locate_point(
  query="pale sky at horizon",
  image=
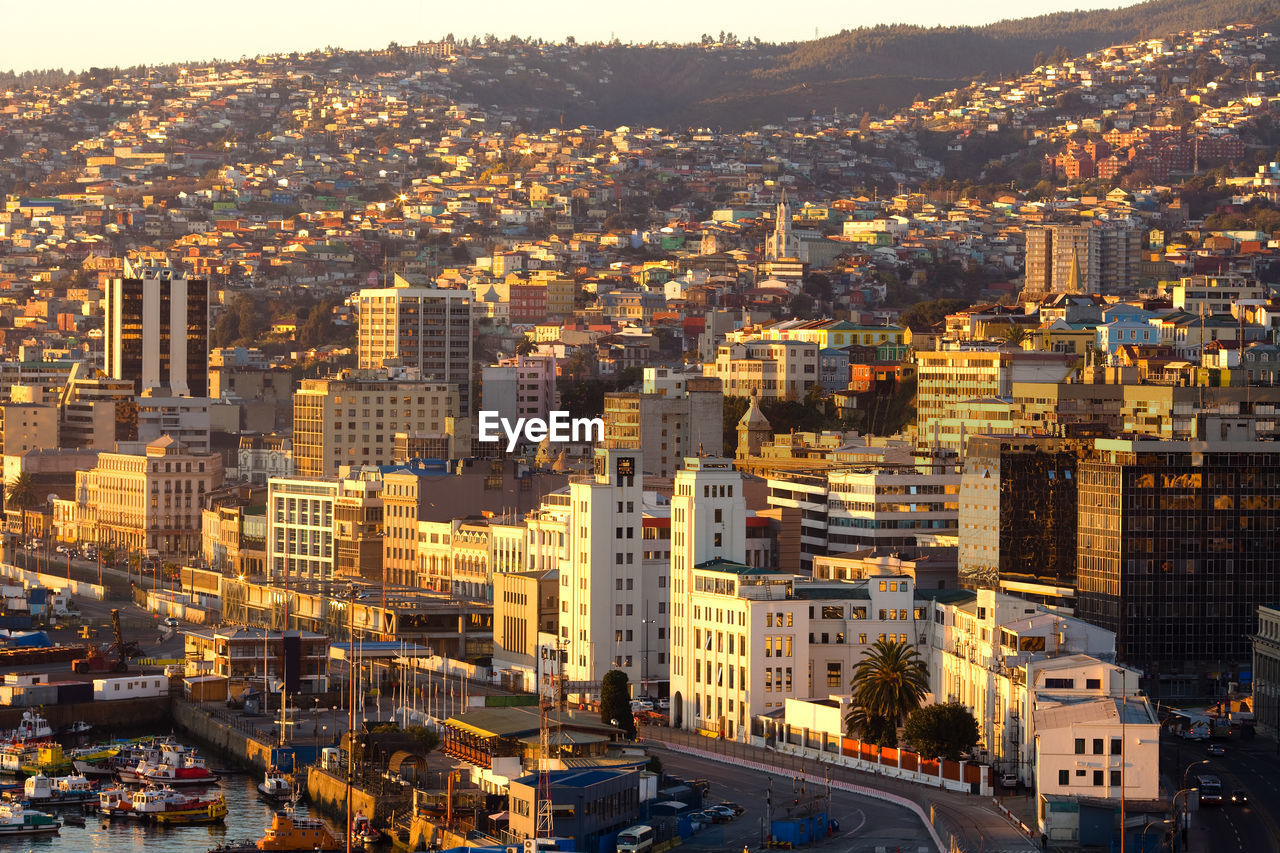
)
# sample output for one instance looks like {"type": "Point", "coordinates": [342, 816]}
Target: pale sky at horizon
{"type": "Point", "coordinates": [77, 34]}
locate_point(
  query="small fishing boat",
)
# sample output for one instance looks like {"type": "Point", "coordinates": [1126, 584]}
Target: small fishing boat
{"type": "Point", "coordinates": [363, 831]}
{"type": "Point", "coordinates": [188, 769]}
{"type": "Point", "coordinates": [16, 819]}
{"type": "Point", "coordinates": [42, 790]}
{"type": "Point", "coordinates": [214, 811]}
{"type": "Point", "coordinates": [78, 728]}
{"type": "Point", "coordinates": [276, 786]}
{"type": "Point", "coordinates": [287, 833]}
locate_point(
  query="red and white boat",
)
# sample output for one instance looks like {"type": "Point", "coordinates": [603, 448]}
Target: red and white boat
{"type": "Point", "coordinates": [147, 804]}
{"type": "Point", "coordinates": [184, 769]}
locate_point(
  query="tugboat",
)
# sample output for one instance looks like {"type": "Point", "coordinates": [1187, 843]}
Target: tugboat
{"type": "Point", "coordinates": [275, 786]}
{"type": "Point", "coordinates": [287, 833]}
{"type": "Point", "coordinates": [41, 790]}
{"type": "Point", "coordinates": [363, 832]}
{"type": "Point", "coordinates": [16, 819]}
{"type": "Point", "coordinates": [206, 812]}
{"type": "Point", "coordinates": [14, 756]}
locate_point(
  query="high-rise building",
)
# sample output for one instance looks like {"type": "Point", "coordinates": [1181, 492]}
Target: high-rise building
{"type": "Point", "coordinates": [300, 527]}
{"type": "Point", "coordinates": [426, 328]}
{"type": "Point", "coordinates": [156, 327]}
{"type": "Point", "coordinates": [520, 387]}
{"type": "Point", "coordinates": [1178, 544]}
{"type": "Point", "coordinates": [708, 522]}
{"type": "Point", "coordinates": [353, 419]}
{"type": "Point", "coordinates": [1092, 258]}
{"type": "Point", "coordinates": [1018, 516]}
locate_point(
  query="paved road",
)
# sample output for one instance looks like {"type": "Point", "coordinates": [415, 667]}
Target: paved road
{"type": "Point", "coordinates": [973, 820]}
{"type": "Point", "coordinates": [865, 824]}
{"type": "Point", "coordinates": [1251, 766]}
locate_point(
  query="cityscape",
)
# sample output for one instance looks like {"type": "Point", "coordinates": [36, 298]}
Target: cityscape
{"type": "Point", "coordinates": [492, 443]}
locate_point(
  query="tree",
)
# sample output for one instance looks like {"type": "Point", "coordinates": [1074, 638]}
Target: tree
{"type": "Point", "coordinates": [946, 730]}
{"type": "Point", "coordinates": [615, 701]}
{"type": "Point", "coordinates": [20, 494]}
{"type": "Point", "coordinates": [888, 684]}
{"type": "Point", "coordinates": [524, 347]}
{"type": "Point", "coordinates": [930, 313]}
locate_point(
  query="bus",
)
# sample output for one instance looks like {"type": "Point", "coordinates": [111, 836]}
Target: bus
{"type": "Point", "coordinates": [1210, 790]}
{"type": "Point", "coordinates": [635, 838]}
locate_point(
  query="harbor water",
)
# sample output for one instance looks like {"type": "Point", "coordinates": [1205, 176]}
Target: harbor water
{"type": "Point", "coordinates": [247, 817]}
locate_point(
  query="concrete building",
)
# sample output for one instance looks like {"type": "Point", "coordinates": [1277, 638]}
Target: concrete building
{"type": "Point", "coordinates": [1266, 670]}
{"type": "Point", "coordinates": [300, 527]}
{"type": "Point", "coordinates": [520, 387]}
{"type": "Point", "coordinates": [1215, 294]}
{"type": "Point", "coordinates": [156, 326]}
{"type": "Point", "coordinates": [97, 411]}
{"type": "Point", "coordinates": [426, 328]}
{"type": "Point", "coordinates": [667, 424]}
{"type": "Point", "coordinates": [27, 426]}
{"type": "Point", "coordinates": [910, 507]}
{"type": "Point", "coordinates": [234, 531]}
{"type": "Point", "coordinates": [188, 419]}
{"type": "Point", "coordinates": [781, 370]}
{"type": "Point", "coordinates": [526, 609]}
{"type": "Point", "coordinates": [353, 419]}
{"type": "Point", "coordinates": [357, 526]}
{"type": "Point", "coordinates": [1091, 258]}
{"type": "Point", "coordinates": [587, 805]}
{"type": "Point", "coordinates": [298, 661]}
{"type": "Point", "coordinates": [147, 502]}
{"type": "Point", "coordinates": [945, 378]}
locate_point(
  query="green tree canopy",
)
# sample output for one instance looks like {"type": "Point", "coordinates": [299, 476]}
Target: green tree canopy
{"type": "Point", "coordinates": [888, 684]}
{"type": "Point", "coordinates": [946, 730]}
{"type": "Point", "coordinates": [615, 701]}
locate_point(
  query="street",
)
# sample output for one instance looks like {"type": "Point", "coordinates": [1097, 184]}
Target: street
{"type": "Point", "coordinates": [1250, 766]}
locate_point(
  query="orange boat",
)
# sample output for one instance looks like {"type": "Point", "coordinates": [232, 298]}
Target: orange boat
{"type": "Point", "coordinates": [287, 834]}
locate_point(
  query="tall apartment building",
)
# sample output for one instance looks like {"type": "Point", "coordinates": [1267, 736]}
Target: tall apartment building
{"type": "Point", "coordinates": [27, 426]}
{"type": "Point", "coordinates": [1215, 294]}
{"type": "Point", "coordinates": [1018, 516]}
{"type": "Point", "coordinates": [353, 419]}
{"type": "Point", "coordinates": [667, 424]}
{"type": "Point", "coordinates": [1090, 258]}
{"type": "Point", "coordinates": [1178, 545]}
{"type": "Point", "coordinates": [146, 503]}
{"type": "Point", "coordinates": [426, 328]}
{"type": "Point", "coordinates": [708, 522]}
{"type": "Point", "coordinates": [946, 378]}
{"type": "Point", "coordinates": [156, 326]}
{"type": "Point", "coordinates": [357, 527]}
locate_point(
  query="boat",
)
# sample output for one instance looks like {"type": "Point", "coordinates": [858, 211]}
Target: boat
{"type": "Point", "coordinates": [16, 819]}
{"type": "Point", "coordinates": [42, 790]}
{"type": "Point", "coordinates": [275, 786]}
{"type": "Point", "coordinates": [14, 756]}
{"type": "Point", "coordinates": [287, 833]}
{"type": "Point", "coordinates": [180, 769]}
{"type": "Point", "coordinates": [95, 761]}
{"type": "Point", "coordinates": [32, 727]}
{"type": "Point", "coordinates": [212, 811]}
{"type": "Point", "coordinates": [116, 802]}
{"type": "Point", "coordinates": [363, 831]}
{"type": "Point", "coordinates": [78, 728]}
{"type": "Point", "coordinates": [49, 759]}
{"type": "Point", "coordinates": [153, 803]}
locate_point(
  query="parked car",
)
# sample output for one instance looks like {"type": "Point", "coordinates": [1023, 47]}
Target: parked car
{"type": "Point", "coordinates": [1217, 749]}
{"type": "Point", "coordinates": [641, 705]}
{"type": "Point", "coordinates": [1239, 798]}
{"type": "Point", "coordinates": [700, 819]}
{"type": "Point", "coordinates": [720, 814]}
{"type": "Point", "coordinates": [734, 807]}
{"type": "Point", "coordinates": [664, 704]}
{"type": "Point", "coordinates": [1009, 780]}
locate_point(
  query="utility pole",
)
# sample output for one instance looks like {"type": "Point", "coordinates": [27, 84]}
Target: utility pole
{"type": "Point", "coordinates": [351, 703]}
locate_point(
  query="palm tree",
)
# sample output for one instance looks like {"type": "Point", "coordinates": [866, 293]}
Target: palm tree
{"type": "Point", "coordinates": [20, 493]}
{"type": "Point", "coordinates": [888, 684]}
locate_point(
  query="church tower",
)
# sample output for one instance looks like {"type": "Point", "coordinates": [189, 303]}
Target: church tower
{"type": "Point", "coordinates": [754, 431]}
{"type": "Point", "coordinates": [779, 245]}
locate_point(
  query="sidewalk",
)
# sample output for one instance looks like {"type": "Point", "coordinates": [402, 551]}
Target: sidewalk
{"type": "Point", "coordinates": [968, 822]}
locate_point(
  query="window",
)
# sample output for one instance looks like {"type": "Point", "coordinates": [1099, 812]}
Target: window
{"type": "Point", "coordinates": [1079, 746]}
{"type": "Point", "coordinates": [1093, 683]}
{"type": "Point", "coordinates": [1064, 777]}
{"type": "Point", "coordinates": [1060, 683]}
{"type": "Point", "coordinates": [1115, 778]}
{"type": "Point", "coordinates": [1097, 778]}
{"type": "Point", "coordinates": [1115, 746]}
{"type": "Point", "coordinates": [834, 675]}
{"type": "Point", "coordinates": [1097, 746]}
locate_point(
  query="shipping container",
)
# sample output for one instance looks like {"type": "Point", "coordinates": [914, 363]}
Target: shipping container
{"type": "Point", "coordinates": [74, 691]}
{"type": "Point", "coordinates": [205, 688]}
{"type": "Point", "coordinates": [130, 687]}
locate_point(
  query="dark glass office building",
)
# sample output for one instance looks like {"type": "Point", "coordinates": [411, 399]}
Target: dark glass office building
{"type": "Point", "coordinates": [157, 331]}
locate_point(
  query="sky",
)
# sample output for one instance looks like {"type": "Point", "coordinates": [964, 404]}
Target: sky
{"type": "Point", "coordinates": [78, 34]}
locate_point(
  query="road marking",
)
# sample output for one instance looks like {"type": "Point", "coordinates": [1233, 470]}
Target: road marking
{"type": "Point", "coordinates": [860, 824]}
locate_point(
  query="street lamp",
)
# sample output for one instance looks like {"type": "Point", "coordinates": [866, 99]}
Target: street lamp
{"type": "Point", "coordinates": [1188, 770]}
{"type": "Point", "coordinates": [1142, 839]}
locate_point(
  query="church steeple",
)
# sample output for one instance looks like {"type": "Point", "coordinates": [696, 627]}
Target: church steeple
{"type": "Point", "coordinates": [779, 245]}
{"type": "Point", "coordinates": [754, 431]}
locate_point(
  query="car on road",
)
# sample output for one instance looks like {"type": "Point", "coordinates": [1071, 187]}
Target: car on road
{"type": "Point", "coordinates": [171, 621]}
{"type": "Point", "coordinates": [1239, 798]}
{"type": "Point", "coordinates": [61, 549]}
{"type": "Point", "coordinates": [1217, 749]}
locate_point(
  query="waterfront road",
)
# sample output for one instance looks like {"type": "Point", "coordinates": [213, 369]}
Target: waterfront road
{"type": "Point", "coordinates": [1251, 766]}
